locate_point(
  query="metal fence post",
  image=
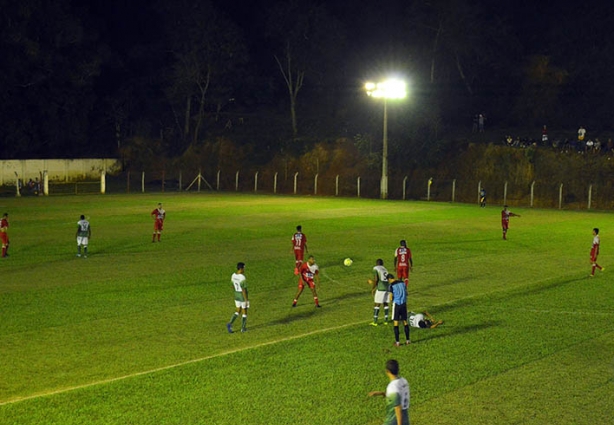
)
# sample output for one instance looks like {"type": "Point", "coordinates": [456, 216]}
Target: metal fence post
{"type": "Point", "coordinates": [237, 181]}
{"type": "Point", "coordinates": [315, 184]}
{"type": "Point", "coordinates": [561, 196]}
{"type": "Point", "coordinates": [428, 189]}
{"type": "Point", "coordinates": [358, 186]}
{"type": "Point", "coordinates": [453, 190]}
{"type": "Point", "coordinates": [505, 193]}
{"type": "Point", "coordinates": [405, 188]}
{"type": "Point", "coordinates": [256, 182]}
{"type": "Point", "coordinates": [337, 185]}
{"type": "Point", "coordinates": [532, 192]}
{"type": "Point", "coordinates": [275, 182]}
{"type": "Point", "coordinates": [295, 182]}
{"type": "Point", "coordinates": [590, 195]}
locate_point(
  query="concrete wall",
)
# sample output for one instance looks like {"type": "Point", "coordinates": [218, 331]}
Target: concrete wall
{"type": "Point", "coordinates": [58, 170]}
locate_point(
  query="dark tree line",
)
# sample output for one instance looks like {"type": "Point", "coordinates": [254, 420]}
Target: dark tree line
{"type": "Point", "coordinates": [105, 77]}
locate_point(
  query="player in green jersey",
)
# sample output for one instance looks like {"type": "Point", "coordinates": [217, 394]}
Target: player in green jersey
{"type": "Point", "coordinates": [239, 282]}
{"type": "Point", "coordinates": [397, 396]}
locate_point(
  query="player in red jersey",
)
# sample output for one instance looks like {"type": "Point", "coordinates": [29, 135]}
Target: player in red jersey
{"type": "Point", "coordinates": [310, 275]}
{"type": "Point", "coordinates": [595, 252]}
{"type": "Point", "coordinates": [158, 216]}
{"type": "Point", "coordinates": [505, 220]}
{"type": "Point", "coordinates": [299, 246]}
{"type": "Point", "coordinates": [403, 261]}
{"type": "Point", "coordinates": [4, 235]}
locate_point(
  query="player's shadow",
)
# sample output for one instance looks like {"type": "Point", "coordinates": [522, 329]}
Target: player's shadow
{"type": "Point", "coordinates": [295, 316]}
{"type": "Point", "coordinates": [445, 332]}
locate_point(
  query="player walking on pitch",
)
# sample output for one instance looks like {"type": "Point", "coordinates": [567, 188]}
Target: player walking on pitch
{"type": "Point", "coordinates": [397, 396]}
{"type": "Point", "coordinates": [379, 290]}
{"type": "Point", "coordinates": [403, 261]}
{"type": "Point", "coordinates": [239, 282]}
{"type": "Point", "coordinates": [158, 215]}
{"type": "Point", "coordinates": [4, 234]}
{"type": "Point", "coordinates": [299, 246]}
{"type": "Point", "coordinates": [505, 220]}
{"type": "Point", "coordinates": [84, 233]}
{"type": "Point", "coordinates": [595, 252]}
{"type": "Point", "coordinates": [309, 274]}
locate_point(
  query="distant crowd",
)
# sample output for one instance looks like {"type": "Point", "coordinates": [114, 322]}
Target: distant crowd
{"type": "Point", "coordinates": [581, 144]}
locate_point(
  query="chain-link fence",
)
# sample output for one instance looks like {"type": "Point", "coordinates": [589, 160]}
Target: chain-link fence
{"type": "Point", "coordinates": [543, 194]}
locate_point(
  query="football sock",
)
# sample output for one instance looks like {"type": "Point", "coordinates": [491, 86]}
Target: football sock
{"type": "Point", "coordinates": [4, 251]}
{"type": "Point", "coordinates": [294, 302]}
{"type": "Point", "coordinates": [85, 250]}
{"type": "Point", "coordinates": [79, 249]}
{"type": "Point", "coordinates": [233, 318]}
{"type": "Point", "coordinates": [158, 237]}
{"type": "Point", "coordinates": [396, 333]}
{"type": "Point", "coordinates": [386, 309]}
{"type": "Point", "coordinates": [407, 332]}
{"type": "Point", "coordinates": [243, 321]}
{"type": "Point", "coordinates": [315, 300]}
{"type": "Point", "coordinates": [375, 314]}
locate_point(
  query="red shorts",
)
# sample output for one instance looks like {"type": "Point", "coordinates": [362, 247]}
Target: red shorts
{"type": "Point", "coordinates": [4, 237]}
{"type": "Point", "coordinates": [403, 272]}
{"type": "Point", "coordinates": [309, 283]}
{"type": "Point", "coordinates": [594, 256]}
{"type": "Point", "coordinates": [158, 225]}
{"type": "Point", "coordinates": [299, 254]}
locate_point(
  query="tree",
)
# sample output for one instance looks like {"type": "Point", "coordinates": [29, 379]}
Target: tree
{"type": "Point", "coordinates": [305, 40]}
{"type": "Point", "coordinates": [50, 62]}
{"type": "Point", "coordinates": [207, 52]}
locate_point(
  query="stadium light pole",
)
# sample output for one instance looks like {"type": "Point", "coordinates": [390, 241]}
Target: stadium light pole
{"type": "Point", "coordinates": [388, 89]}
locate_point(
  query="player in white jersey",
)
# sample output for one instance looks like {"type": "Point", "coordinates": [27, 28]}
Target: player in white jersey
{"type": "Point", "coordinates": [397, 396]}
{"type": "Point", "coordinates": [84, 233]}
{"type": "Point", "coordinates": [423, 320]}
{"type": "Point", "coordinates": [379, 290]}
{"type": "Point", "coordinates": [239, 282]}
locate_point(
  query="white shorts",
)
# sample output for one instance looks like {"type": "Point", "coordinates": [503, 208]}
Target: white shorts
{"type": "Point", "coordinates": [82, 240]}
{"type": "Point", "coordinates": [381, 297]}
{"type": "Point", "coordinates": [242, 304]}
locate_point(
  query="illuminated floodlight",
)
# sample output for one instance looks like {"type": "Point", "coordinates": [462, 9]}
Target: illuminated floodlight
{"type": "Point", "coordinates": [389, 89]}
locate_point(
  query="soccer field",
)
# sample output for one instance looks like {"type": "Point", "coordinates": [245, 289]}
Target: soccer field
{"type": "Point", "coordinates": [135, 334]}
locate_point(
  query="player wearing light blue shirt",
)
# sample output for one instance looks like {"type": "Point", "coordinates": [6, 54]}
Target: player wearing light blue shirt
{"type": "Point", "coordinates": [399, 307]}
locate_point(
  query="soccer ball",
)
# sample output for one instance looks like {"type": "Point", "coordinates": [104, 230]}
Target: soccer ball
{"type": "Point", "coordinates": [347, 262]}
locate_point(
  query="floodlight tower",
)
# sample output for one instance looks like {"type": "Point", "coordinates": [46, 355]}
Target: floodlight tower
{"type": "Point", "coordinates": [388, 89]}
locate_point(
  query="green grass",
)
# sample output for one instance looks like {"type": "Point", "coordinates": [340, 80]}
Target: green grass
{"type": "Point", "coordinates": [135, 334]}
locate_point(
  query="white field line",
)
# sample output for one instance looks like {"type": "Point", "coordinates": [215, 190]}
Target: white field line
{"type": "Point", "coordinates": [264, 344]}
{"type": "Point", "coordinates": [173, 366]}
{"type": "Point", "coordinates": [583, 313]}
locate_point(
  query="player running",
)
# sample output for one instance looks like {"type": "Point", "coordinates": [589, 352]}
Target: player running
{"type": "Point", "coordinates": [379, 290]}
{"type": "Point", "coordinates": [505, 220]}
{"type": "Point", "coordinates": [309, 275]}
{"type": "Point", "coordinates": [595, 252]}
{"type": "Point", "coordinates": [403, 261]}
{"type": "Point", "coordinates": [84, 233]}
{"type": "Point", "coordinates": [158, 215]}
{"type": "Point", "coordinates": [239, 282]}
{"type": "Point", "coordinates": [299, 246]}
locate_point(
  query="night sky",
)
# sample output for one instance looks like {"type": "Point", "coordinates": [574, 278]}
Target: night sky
{"type": "Point", "coordinates": [131, 44]}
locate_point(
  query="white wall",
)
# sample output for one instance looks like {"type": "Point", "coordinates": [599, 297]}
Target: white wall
{"type": "Point", "coordinates": [58, 170]}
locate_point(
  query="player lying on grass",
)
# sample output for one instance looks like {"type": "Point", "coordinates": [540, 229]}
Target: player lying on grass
{"type": "Point", "coordinates": [423, 320]}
